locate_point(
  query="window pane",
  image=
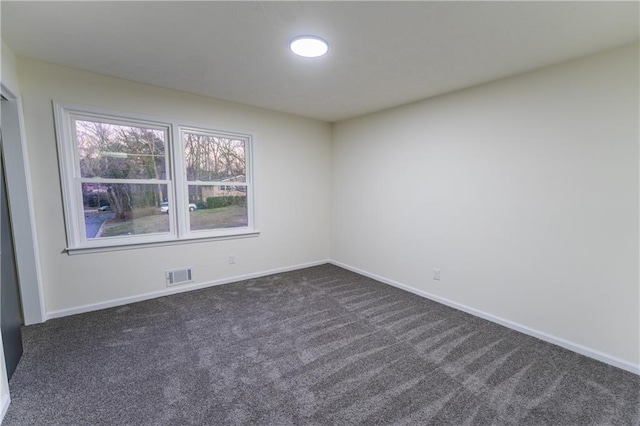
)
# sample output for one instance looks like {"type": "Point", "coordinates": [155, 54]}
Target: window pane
{"type": "Point", "coordinates": [217, 208]}
{"type": "Point", "coordinates": [120, 152]}
{"type": "Point", "coordinates": [112, 210]}
{"type": "Point", "coordinates": [214, 158]}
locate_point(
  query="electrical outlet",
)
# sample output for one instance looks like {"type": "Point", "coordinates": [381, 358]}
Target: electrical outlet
{"type": "Point", "coordinates": [232, 259]}
{"type": "Point", "coordinates": [436, 274]}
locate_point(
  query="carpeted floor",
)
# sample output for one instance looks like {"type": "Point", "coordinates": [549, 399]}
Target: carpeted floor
{"type": "Point", "coordinates": [316, 346]}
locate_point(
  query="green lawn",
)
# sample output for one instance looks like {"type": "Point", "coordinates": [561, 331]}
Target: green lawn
{"type": "Point", "coordinates": [141, 225]}
{"type": "Point", "coordinates": [222, 217]}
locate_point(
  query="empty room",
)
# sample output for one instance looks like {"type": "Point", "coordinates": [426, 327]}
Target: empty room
{"type": "Point", "coordinates": [320, 213]}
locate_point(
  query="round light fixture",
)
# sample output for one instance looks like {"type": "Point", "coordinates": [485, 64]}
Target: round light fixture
{"type": "Point", "coordinates": [309, 46]}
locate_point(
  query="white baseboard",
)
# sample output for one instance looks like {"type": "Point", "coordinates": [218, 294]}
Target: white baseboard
{"type": "Point", "coordinates": [174, 290]}
{"type": "Point", "coordinates": [583, 350]}
{"type": "Point", "coordinates": [6, 400]}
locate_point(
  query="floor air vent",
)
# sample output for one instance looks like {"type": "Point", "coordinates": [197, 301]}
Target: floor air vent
{"type": "Point", "coordinates": [178, 276]}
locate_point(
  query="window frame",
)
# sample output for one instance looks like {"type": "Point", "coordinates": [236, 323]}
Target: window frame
{"type": "Point", "coordinates": [71, 180]}
{"type": "Point", "coordinates": [186, 227]}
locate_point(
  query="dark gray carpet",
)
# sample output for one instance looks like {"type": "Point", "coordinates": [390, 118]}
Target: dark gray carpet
{"type": "Point", "coordinates": [316, 346]}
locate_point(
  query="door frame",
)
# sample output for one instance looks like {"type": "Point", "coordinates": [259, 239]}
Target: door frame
{"type": "Point", "coordinates": [19, 194]}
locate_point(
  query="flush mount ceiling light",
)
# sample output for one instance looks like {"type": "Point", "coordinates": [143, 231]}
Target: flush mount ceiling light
{"type": "Point", "coordinates": [309, 46]}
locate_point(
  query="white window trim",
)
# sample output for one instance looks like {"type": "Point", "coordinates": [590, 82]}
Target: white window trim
{"type": "Point", "coordinates": [177, 190]}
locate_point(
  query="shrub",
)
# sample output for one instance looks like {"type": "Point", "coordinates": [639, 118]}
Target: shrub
{"type": "Point", "coordinates": [224, 201]}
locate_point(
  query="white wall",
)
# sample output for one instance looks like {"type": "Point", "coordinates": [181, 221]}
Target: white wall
{"type": "Point", "coordinates": [292, 179]}
{"type": "Point", "coordinates": [524, 192]}
{"type": "Point", "coordinates": [9, 74]}
{"type": "Point", "coordinates": [19, 191]}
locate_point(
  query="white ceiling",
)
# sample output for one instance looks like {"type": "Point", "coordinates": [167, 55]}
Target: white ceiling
{"type": "Point", "coordinates": [382, 54]}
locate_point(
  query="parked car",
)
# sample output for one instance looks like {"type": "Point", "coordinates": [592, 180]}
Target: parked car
{"type": "Point", "coordinates": [104, 208]}
{"type": "Point", "coordinates": [164, 207]}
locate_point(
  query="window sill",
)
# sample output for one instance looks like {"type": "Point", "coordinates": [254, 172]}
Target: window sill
{"type": "Point", "coordinates": [134, 246]}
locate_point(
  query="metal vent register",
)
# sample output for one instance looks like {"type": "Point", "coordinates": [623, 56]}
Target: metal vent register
{"type": "Point", "coordinates": [178, 276]}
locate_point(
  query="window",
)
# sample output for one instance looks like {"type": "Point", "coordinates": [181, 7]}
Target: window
{"type": "Point", "coordinates": [211, 161]}
{"type": "Point", "coordinates": [129, 179]}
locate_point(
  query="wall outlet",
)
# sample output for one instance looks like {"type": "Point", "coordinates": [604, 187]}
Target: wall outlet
{"type": "Point", "coordinates": [232, 259]}
{"type": "Point", "coordinates": [436, 274]}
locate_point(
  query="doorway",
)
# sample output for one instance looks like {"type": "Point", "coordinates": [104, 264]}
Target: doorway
{"type": "Point", "coordinates": [11, 318]}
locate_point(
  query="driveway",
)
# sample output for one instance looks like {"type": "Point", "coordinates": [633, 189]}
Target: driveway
{"type": "Point", "coordinates": [93, 221]}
